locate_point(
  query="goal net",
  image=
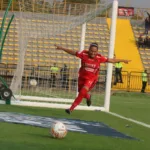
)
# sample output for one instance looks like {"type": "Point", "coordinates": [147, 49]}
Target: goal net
{"type": "Point", "coordinates": [45, 76]}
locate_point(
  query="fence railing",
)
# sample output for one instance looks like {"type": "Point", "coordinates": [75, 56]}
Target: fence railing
{"type": "Point", "coordinates": [46, 79]}
{"type": "Point", "coordinates": [132, 81]}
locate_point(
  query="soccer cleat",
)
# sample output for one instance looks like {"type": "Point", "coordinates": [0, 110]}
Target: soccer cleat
{"type": "Point", "coordinates": [88, 101]}
{"type": "Point", "coordinates": [68, 111]}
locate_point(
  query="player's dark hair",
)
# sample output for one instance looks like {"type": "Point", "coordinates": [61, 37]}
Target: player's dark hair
{"type": "Point", "coordinates": [93, 45]}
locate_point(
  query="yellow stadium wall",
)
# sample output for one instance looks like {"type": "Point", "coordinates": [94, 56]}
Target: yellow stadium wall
{"type": "Point", "coordinates": [125, 46]}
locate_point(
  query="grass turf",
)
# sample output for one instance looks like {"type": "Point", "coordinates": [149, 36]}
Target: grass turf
{"type": "Point", "coordinates": [133, 105]}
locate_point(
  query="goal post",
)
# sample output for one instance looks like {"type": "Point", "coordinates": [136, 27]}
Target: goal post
{"type": "Point", "coordinates": [38, 30]}
{"type": "Point", "coordinates": [111, 55]}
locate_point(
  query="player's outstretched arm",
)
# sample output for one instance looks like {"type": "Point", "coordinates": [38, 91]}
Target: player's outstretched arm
{"type": "Point", "coordinates": [113, 60]}
{"type": "Point", "coordinates": [69, 51]}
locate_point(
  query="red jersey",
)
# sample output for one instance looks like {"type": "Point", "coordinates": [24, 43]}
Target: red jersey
{"type": "Point", "coordinates": [90, 67]}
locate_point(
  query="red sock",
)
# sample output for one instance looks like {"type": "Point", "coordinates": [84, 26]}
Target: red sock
{"type": "Point", "coordinates": [78, 100]}
{"type": "Point", "coordinates": [87, 96]}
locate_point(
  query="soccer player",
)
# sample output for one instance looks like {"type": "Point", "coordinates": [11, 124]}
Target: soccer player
{"type": "Point", "coordinates": [89, 70]}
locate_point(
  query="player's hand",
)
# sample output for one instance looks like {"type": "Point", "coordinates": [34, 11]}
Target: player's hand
{"type": "Point", "coordinates": [127, 61]}
{"type": "Point", "coordinates": [58, 47]}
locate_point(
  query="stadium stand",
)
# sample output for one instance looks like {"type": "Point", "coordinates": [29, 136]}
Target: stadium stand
{"type": "Point", "coordinates": [144, 51]}
{"type": "Point", "coordinates": [42, 51]}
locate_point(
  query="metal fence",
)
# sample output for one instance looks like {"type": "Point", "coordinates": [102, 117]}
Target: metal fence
{"type": "Point", "coordinates": [47, 80]}
{"type": "Point", "coordinates": [132, 81]}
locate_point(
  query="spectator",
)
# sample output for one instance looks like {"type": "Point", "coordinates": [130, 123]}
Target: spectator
{"type": "Point", "coordinates": [140, 41]}
{"type": "Point", "coordinates": [148, 15]}
{"type": "Point", "coordinates": [147, 24]}
{"type": "Point", "coordinates": [146, 41]}
{"type": "Point", "coordinates": [118, 74]}
{"type": "Point", "coordinates": [54, 71]}
{"type": "Point", "coordinates": [33, 72]}
{"type": "Point", "coordinates": [64, 72]}
{"type": "Point", "coordinates": [144, 81]}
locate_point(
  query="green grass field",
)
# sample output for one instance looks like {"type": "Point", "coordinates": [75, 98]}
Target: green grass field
{"type": "Point", "coordinates": [132, 105]}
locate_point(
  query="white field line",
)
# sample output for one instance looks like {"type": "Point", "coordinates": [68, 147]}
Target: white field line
{"type": "Point", "coordinates": [129, 119]}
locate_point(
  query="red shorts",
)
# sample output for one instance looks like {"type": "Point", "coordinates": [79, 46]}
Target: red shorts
{"type": "Point", "coordinates": [86, 82]}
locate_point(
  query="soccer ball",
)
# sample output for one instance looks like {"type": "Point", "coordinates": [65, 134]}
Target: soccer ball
{"type": "Point", "coordinates": [33, 82]}
{"type": "Point", "coordinates": [58, 130]}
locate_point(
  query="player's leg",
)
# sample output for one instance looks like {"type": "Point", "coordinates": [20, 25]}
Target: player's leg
{"type": "Point", "coordinates": [82, 92]}
{"type": "Point", "coordinates": [81, 84]}
{"type": "Point", "coordinates": [120, 77]}
{"type": "Point", "coordinates": [90, 84]}
{"type": "Point", "coordinates": [144, 86]}
{"type": "Point", "coordinates": [115, 76]}
{"type": "Point", "coordinates": [79, 98]}
{"type": "Point", "coordinates": [87, 96]}
{"type": "Point", "coordinates": [84, 86]}
{"type": "Point", "coordinates": [142, 90]}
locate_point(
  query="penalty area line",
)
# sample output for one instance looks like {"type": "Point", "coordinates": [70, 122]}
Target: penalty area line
{"type": "Point", "coordinates": [129, 119]}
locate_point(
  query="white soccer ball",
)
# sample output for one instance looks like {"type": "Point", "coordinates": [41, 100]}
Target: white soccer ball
{"type": "Point", "coordinates": [58, 130]}
{"type": "Point", "coordinates": [33, 82]}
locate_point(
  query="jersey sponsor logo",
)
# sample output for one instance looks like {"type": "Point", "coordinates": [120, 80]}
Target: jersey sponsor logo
{"type": "Point", "coordinates": [90, 67]}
